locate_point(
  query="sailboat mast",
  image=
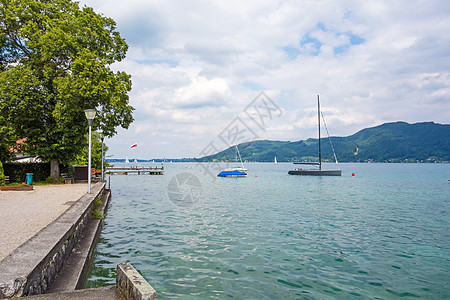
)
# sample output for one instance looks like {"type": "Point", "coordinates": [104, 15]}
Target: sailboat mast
{"type": "Point", "coordinates": [242, 164]}
{"type": "Point", "coordinates": [318, 118]}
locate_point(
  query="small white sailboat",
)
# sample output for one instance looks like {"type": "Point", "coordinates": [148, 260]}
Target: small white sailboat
{"type": "Point", "coordinates": [135, 161]}
{"type": "Point", "coordinates": [275, 162]}
{"type": "Point", "coordinates": [127, 161]}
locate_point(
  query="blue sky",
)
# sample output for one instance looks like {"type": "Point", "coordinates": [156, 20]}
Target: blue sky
{"type": "Point", "coordinates": [197, 65]}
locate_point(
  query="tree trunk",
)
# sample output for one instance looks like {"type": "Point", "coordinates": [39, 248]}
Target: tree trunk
{"type": "Point", "coordinates": [54, 169]}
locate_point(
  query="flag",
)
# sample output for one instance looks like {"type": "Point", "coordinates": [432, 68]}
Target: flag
{"type": "Point", "coordinates": [134, 145]}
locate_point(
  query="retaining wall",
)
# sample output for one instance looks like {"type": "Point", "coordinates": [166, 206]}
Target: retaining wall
{"type": "Point", "coordinates": [31, 268]}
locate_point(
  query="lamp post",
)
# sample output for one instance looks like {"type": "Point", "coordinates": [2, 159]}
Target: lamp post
{"type": "Point", "coordinates": [102, 136]}
{"type": "Point", "coordinates": [90, 115]}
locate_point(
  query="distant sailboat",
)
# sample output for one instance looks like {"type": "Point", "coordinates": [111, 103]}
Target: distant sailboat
{"type": "Point", "coordinates": [275, 162]}
{"type": "Point", "coordinates": [127, 161]}
{"type": "Point", "coordinates": [135, 161]}
{"type": "Point", "coordinates": [316, 172]}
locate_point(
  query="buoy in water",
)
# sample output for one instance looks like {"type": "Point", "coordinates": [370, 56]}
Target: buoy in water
{"type": "Point", "coordinates": [353, 174]}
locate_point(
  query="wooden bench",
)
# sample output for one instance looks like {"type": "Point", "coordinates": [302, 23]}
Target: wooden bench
{"type": "Point", "coordinates": [66, 177]}
{"type": "Point", "coordinates": [6, 179]}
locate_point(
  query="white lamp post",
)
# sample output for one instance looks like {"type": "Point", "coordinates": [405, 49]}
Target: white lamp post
{"type": "Point", "coordinates": [102, 137]}
{"type": "Point", "coordinates": [90, 115]}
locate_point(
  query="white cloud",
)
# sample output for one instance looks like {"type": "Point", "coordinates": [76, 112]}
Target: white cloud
{"type": "Point", "coordinates": [196, 65]}
{"type": "Point", "coordinates": [202, 92]}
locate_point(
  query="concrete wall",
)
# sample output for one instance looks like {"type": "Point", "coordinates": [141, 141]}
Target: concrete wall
{"type": "Point", "coordinates": [31, 268]}
{"type": "Point", "coordinates": [131, 285]}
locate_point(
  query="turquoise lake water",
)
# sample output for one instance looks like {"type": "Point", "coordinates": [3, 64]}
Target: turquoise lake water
{"type": "Point", "coordinates": [381, 234]}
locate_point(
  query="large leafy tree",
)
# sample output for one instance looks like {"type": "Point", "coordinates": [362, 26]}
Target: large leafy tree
{"type": "Point", "coordinates": [96, 151]}
{"type": "Point", "coordinates": [55, 60]}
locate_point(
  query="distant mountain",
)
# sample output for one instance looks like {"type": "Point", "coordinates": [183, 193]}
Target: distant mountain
{"type": "Point", "coordinates": [390, 142]}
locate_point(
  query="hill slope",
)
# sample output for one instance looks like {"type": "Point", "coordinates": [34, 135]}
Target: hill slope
{"type": "Point", "coordinates": [393, 142]}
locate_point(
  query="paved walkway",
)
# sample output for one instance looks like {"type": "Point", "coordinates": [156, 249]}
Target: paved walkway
{"type": "Point", "coordinates": [103, 293]}
{"type": "Point", "coordinates": [25, 213]}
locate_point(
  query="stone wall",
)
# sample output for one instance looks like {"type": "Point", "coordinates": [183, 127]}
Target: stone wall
{"type": "Point", "coordinates": [131, 285]}
{"type": "Point", "coordinates": [31, 268]}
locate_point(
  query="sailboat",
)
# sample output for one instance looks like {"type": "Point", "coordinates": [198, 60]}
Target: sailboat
{"type": "Point", "coordinates": [275, 162]}
{"type": "Point", "coordinates": [319, 171]}
{"type": "Point", "coordinates": [127, 161]}
{"type": "Point", "coordinates": [135, 161]}
{"type": "Point", "coordinates": [235, 171]}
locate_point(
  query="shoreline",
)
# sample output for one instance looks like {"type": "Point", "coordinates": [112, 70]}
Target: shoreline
{"type": "Point", "coordinates": [54, 262]}
{"type": "Point", "coordinates": [31, 268]}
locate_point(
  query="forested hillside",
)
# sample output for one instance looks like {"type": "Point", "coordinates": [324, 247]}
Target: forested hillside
{"type": "Point", "coordinates": [390, 142]}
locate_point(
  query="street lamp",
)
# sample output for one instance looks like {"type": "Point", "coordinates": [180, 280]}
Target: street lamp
{"type": "Point", "coordinates": [102, 136]}
{"type": "Point", "coordinates": [90, 115]}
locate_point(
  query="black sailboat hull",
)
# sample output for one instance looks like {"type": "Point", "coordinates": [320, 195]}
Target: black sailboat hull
{"type": "Point", "coordinates": [315, 172]}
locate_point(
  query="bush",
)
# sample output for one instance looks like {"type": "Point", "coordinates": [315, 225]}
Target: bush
{"type": "Point", "coordinates": [97, 203]}
{"type": "Point", "coordinates": [96, 214]}
{"type": "Point", "coordinates": [18, 171]}
{"type": "Point", "coordinates": [49, 180]}
{"type": "Point", "coordinates": [2, 175]}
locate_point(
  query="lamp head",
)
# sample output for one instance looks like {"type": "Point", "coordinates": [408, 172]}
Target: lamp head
{"type": "Point", "coordinates": [90, 115]}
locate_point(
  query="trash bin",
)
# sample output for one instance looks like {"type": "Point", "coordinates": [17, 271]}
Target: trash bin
{"type": "Point", "coordinates": [29, 178]}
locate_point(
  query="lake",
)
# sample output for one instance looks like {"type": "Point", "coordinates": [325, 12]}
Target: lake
{"type": "Point", "coordinates": [383, 233]}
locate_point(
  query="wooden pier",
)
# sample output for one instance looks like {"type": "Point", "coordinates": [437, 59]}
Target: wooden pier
{"type": "Point", "coordinates": [136, 170]}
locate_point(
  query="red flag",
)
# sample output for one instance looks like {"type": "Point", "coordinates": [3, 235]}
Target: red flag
{"type": "Point", "coordinates": [134, 145]}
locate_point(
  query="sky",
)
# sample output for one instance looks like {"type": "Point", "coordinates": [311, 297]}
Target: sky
{"type": "Point", "coordinates": [210, 74]}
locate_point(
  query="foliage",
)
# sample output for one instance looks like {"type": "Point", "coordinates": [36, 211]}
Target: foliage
{"type": "Point", "coordinates": [2, 175]}
{"type": "Point", "coordinates": [96, 214]}
{"type": "Point", "coordinates": [97, 203]}
{"type": "Point", "coordinates": [7, 139]}
{"type": "Point", "coordinates": [49, 180]}
{"type": "Point", "coordinates": [17, 172]}
{"type": "Point", "coordinates": [55, 62]}
{"type": "Point", "coordinates": [82, 157]}
{"type": "Point", "coordinates": [390, 142]}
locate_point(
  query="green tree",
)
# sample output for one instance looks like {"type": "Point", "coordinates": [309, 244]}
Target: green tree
{"type": "Point", "coordinates": [2, 175]}
{"type": "Point", "coordinates": [55, 60]}
{"type": "Point", "coordinates": [7, 140]}
{"type": "Point", "coordinates": [96, 154]}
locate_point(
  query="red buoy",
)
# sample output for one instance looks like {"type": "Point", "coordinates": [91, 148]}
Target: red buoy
{"type": "Point", "coordinates": [353, 174]}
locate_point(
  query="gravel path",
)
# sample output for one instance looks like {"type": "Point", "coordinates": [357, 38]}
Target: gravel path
{"type": "Point", "coordinates": [25, 213]}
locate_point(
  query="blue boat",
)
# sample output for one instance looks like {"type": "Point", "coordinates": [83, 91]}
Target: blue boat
{"type": "Point", "coordinates": [233, 172]}
{"type": "Point", "coordinates": [236, 171]}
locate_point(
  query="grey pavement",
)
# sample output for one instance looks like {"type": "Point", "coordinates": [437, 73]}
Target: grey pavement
{"type": "Point", "coordinates": [103, 293]}
{"type": "Point", "coordinates": [25, 213]}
